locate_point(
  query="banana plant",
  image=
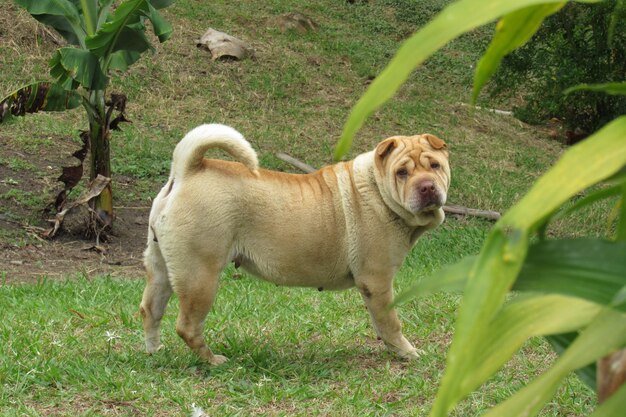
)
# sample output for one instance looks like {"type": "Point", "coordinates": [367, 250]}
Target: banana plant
{"type": "Point", "coordinates": [101, 38]}
{"type": "Point", "coordinates": [521, 285]}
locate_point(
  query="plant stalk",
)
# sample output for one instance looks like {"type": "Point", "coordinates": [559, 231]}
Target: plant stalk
{"type": "Point", "coordinates": [99, 134]}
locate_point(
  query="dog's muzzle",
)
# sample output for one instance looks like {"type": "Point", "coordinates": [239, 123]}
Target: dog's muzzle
{"type": "Point", "coordinates": [427, 196]}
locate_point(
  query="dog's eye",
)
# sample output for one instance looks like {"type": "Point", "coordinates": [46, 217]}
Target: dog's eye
{"type": "Point", "coordinates": [402, 172]}
{"type": "Point", "coordinates": [434, 165]}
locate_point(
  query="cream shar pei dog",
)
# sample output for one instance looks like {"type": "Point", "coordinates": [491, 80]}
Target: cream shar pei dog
{"type": "Point", "coordinates": [347, 225]}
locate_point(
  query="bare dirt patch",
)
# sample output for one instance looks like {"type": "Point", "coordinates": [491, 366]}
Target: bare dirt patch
{"type": "Point", "coordinates": [25, 192]}
{"type": "Point", "coordinates": [28, 183]}
{"type": "Point", "coordinates": [70, 254]}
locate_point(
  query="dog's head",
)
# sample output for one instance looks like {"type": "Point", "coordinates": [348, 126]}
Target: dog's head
{"type": "Point", "coordinates": [413, 175]}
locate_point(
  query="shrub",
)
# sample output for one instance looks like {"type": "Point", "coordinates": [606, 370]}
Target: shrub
{"type": "Point", "coordinates": [584, 43]}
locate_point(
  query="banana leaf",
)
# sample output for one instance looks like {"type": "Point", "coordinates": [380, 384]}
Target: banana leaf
{"type": "Point", "coordinates": [61, 15]}
{"type": "Point", "coordinates": [39, 96]}
{"type": "Point", "coordinates": [72, 67]}
{"type": "Point", "coordinates": [125, 30]}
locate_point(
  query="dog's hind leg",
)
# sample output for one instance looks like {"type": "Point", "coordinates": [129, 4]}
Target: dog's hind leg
{"type": "Point", "coordinates": [196, 293]}
{"type": "Point", "coordinates": [155, 296]}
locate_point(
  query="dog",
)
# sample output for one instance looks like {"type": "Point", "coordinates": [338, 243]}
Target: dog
{"type": "Point", "coordinates": [347, 225]}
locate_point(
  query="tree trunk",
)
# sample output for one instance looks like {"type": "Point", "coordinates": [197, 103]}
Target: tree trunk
{"type": "Point", "coordinates": [101, 205]}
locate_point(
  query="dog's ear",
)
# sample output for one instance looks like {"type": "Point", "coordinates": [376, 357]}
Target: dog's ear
{"type": "Point", "coordinates": [385, 147]}
{"type": "Point", "coordinates": [383, 150]}
{"type": "Point", "coordinates": [434, 141]}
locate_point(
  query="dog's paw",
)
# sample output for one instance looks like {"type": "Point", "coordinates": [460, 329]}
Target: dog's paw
{"type": "Point", "coordinates": [407, 352]}
{"type": "Point", "coordinates": [218, 360]}
{"type": "Point", "coordinates": [152, 349]}
{"type": "Point", "coordinates": [411, 354]}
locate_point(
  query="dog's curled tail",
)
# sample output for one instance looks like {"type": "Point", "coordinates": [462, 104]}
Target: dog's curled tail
{"type": "Point", "coordinates": [189, 152]}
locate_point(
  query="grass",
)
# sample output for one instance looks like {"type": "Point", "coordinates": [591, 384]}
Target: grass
{"type": "Point", "coordinates": [292, 351]}
{"type": "Point", "coordinates": [75, 347]}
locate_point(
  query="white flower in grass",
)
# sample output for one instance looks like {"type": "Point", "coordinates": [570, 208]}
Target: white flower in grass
{"type": "Point", "coordinates": [111, 336]}
{"type": "Point", "coordinates": [197, 411]}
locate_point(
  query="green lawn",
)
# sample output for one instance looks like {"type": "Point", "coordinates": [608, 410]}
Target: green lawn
{"type": "Point", "coordinates": [74, 347]}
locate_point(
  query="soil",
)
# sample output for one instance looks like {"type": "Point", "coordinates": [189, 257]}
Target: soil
{"type": "Point", "coordinates": [70, 254]}
{"type": "Point", "coordinates": [27, 257]}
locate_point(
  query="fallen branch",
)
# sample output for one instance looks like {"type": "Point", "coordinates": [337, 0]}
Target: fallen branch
{"type": "Point", "coordinates": [487, 214]}
{"type": "Point", "coordinates": [452, 209]}
{"type": "Point", "coordinates": [496, 111]}
{"type": "Point", "coordinates": [296, 163]}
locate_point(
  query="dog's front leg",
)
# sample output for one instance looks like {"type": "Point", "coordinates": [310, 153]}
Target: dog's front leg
{"type": "Point", "coordinates": [378, 296]}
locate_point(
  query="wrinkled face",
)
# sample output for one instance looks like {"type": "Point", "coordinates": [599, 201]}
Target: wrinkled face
{"type": "Point", "coordinates": [414, 172]}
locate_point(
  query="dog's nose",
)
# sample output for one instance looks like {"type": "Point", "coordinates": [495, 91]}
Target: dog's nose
{"type": "Point", "coordinates": [428, 195]}
{"type": "Point", "coordinates": [426, 187]}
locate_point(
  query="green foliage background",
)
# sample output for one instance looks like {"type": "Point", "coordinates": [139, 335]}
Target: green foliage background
{"type": "Point", "coordinates": [584, 43]}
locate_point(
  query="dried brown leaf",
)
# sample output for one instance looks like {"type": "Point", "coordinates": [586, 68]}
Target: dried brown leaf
{"type": "Point", "coordinates": [94, 189]}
